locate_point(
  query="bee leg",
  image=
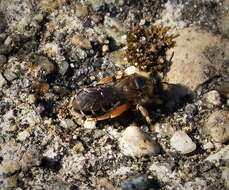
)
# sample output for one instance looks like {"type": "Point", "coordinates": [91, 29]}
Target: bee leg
{"type": "Point", "coordinates": [106, 80]}
{"type": "Point", "coordinates": [103, 109]}
{"type": "Point", "coordinates": [82, 113]}
{"type": "Point", "coordinates": [93, 112]}
{"type": "Point", "coordinates": [114, 113]}
{"type": "Point", "coordinates": [145, 114]}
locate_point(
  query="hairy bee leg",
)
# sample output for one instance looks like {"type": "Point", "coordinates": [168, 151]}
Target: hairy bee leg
{"type": "Point", "coordinates": [145, 114]}
{"type": "Point", "coordinates": [114, 113]}
{"type": "Point", "coordinates": [106, 80]}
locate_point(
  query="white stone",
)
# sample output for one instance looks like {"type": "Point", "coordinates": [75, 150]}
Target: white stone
{"type": "Point", "coordinates": [131, 70]}
{"type": "Point", "coordinates": [223, 154]}
{"type": "Point", "coordinates": [50, 153]}
{"type": "Point", "coordinates": [213, 98]}
{"type": "Point", "coordinates": [135, 143]}
{"type": "Point", "coordinates": [90, 123]}
{"type": "Point", "coordinates": [208, 145]}
{"type": "Point", "coordinates": [23, 135]}
{"type": "Point", "coordinates": [182, 142]}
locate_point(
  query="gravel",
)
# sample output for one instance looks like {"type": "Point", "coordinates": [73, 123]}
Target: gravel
{"type": "Point", "coordinates": [50, 49]}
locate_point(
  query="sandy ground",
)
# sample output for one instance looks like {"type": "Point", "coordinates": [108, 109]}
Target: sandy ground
{"type": "Point", "coordinates": [50, 49]}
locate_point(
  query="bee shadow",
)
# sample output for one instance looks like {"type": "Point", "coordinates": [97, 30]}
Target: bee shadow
{"type": "Point", "coordinates": [174, 97]}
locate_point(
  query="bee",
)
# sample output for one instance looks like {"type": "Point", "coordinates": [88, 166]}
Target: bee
{"type": "Point", "coordinates": [146, 51]}
{"type": "Point", "coordinates": [111, 98]}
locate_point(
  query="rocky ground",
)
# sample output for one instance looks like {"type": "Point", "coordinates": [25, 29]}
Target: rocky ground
{"type": "Point", "coordinates": [51, 48]}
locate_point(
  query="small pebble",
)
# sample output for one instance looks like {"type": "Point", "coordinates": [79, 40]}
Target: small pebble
{"type": "Point", "coordinates": [221, 155]}
{"type": "Point", "coordinates": [135, 143]}
{"type": "Point", "coordinates": [217, 126]}
{"type": "Point", "coordinates": [208, 146]}
{"type": "Point", "coordinates": [139, 183]}
{"type": "Point", "coordinates": [8, 41]}
{"type": "Point", "coordinates": [23, 135]}
{"type": "Point", "coordinates": [31, 99]}
{"type": "Point", "coordinates": [9, 167]}
{"type": "Point", "coordinates": [78, 147]}
{"type": "Point", "coordinates": [2, 81]}
{"type": "Point", "coordinates": [10, 75]}
{"type": "Point", "coordinates": [131, 70]}
{"type": "Point", "coordinates": [182, 142]}
{"type": "Point", "coordinates": [45, 66]}
{"type": "Point", "coordinates": [212, 98]}
{"type": "Point", "coordinates": [90, 123]}
{"type": "Point", "coordinates": [67, 123]}
{"type": "Point", "coordinates": [105, 49]}
{"type": "Point", "coordinates": [63, 67]}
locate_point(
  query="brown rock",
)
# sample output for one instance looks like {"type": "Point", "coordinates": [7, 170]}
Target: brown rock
{"type": "Point", "coordinates": [189, 62]}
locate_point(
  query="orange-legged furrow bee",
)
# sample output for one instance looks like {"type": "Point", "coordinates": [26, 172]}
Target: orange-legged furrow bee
{"type": "Point", "coordinates": [111, 98]}
{"type": "Point", "coordinates": [146, 52]}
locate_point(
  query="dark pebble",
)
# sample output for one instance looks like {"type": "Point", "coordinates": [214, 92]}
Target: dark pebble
{"type": "Point", "coordinates": [140, 183]}
{"type": "Point", "coordinates": [51, 164]}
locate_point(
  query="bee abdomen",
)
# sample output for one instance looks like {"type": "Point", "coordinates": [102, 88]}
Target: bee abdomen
{"type": "Point", "coordinates": [96, 100]}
